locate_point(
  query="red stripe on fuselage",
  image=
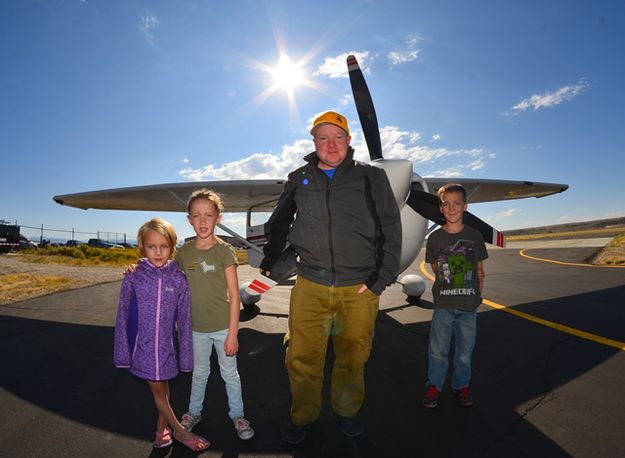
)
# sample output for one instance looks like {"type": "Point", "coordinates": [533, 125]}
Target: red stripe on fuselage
{"type": "Point", "coordinates": [259, 287]}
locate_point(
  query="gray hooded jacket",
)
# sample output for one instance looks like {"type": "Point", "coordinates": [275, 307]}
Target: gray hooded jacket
{"type": "Point", "coordinates": [345, 230]}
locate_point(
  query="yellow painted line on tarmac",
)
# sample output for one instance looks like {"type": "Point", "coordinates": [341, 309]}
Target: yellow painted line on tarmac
{"type": "Point", "coordinates": [550, 324]}
{"type": "Point", "coordinates": [576, 264]}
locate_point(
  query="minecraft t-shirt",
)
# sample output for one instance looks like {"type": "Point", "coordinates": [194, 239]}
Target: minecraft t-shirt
{"type": "Point", "coordinates": [456, 257]}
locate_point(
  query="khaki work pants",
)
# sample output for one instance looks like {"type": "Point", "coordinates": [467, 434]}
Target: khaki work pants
{"type": "Point", "coordinates": [316, 313]}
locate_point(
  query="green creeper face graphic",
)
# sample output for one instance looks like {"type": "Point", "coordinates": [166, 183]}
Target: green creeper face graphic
{"type": "Point", "coordinates": [457, 266]}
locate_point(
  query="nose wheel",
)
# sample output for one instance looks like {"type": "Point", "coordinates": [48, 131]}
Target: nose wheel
{"type": "Point", "coordinates": [413, 286]}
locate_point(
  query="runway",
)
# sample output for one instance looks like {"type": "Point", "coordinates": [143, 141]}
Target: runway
{"type": "Point", "coordinates": [540, 390]}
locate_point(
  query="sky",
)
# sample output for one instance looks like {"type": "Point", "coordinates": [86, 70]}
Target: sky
{"type": "Point", "coordinates": [99, 94]}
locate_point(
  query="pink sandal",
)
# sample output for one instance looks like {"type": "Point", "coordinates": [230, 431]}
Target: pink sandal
{"type": "Point", "coordinates": [162, 439]}
{"type": "Point", "coordinates": [197, 443]}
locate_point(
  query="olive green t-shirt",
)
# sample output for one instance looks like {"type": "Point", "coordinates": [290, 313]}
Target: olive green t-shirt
{"type": "Point", "coordinates": [206, 273]}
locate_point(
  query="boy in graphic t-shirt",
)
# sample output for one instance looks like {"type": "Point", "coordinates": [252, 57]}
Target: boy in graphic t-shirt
{"type": "Point", "coordinates": [455, 252]}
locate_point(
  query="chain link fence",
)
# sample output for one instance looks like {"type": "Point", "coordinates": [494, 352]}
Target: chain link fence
{"type": "Point", "coordinates": [42, 234]}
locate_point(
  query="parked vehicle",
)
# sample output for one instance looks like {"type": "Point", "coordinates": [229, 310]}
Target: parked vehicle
{"type": "Point", "coordinates": [24, 243]}
{"type": "Point", "coordinates": [9, 237]}
{"type": "Point", "coordinates": [73, 243]}
{"type": "Point", "coordinates": [99, 243]}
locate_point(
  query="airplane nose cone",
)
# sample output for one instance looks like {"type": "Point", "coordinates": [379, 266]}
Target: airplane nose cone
{"type": "Point", "coordinates": [399, 174]}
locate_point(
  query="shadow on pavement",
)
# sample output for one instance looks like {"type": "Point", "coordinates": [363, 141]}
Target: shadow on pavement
{"type": "Point", "coordinates": [66, 370]}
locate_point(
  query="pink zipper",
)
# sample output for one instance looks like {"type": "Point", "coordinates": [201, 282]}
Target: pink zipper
{"type": "Point", "coordinates": [158, 326]}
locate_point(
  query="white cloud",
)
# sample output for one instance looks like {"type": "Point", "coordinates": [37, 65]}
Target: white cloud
{"type": "Point", "coordinates": [478, 164]}
{"type": "Point", "coordinates": [185, 160]}
{"type": "Point", "coordinates": [397, 57]}
{"type": "Point", "coordinates": [502, 215]}
{"type": "Point", "coordinates": [436, 137]}
{"type": "Point", "coordinates": [396, 144]}
{"type": "Point", "coordinates": [616, 214]}
{"type": "Point", "coordinates": [256, 166]}
{"type": "Point", "coordinates": [148, 23]}
{"type": "Point", "coordinates": [550, 99]}
{"type": "Point", "coordinates": [233, 219]}
{"type": "Point", "coordinates": [335, 67]}
{"type": "Point", "coordinates": [453, 172]}
{"type": "Point", "coordinates": [399, 144]}
{"type": "Point", "coordinates": [347, 99]}
{"type": "Point", "coordinates": [409, 54]}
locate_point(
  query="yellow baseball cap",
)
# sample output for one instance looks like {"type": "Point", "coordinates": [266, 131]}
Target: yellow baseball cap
{"type": "Point", "coordinates": [331, 117]}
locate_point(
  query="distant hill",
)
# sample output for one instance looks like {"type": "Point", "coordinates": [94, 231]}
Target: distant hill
{"type": "Point", "coordinates": [583, 225]}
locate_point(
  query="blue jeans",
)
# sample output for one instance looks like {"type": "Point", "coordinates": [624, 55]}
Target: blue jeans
{"type": "Point", "coordinates": [462, 325]}
{"type": "Point", "coordinates": [203, 343]}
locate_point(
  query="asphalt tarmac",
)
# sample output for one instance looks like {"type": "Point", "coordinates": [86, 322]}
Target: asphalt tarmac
{"type": "Point", "coordinates": [547, 374]}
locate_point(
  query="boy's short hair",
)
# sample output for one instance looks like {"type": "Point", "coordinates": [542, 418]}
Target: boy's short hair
{"type": "Point", "coordinates": [207, 194]}
{"type": "Point", "coordinates": [163, 227]}
{"type": "Point", "coordinates": [452, 187]}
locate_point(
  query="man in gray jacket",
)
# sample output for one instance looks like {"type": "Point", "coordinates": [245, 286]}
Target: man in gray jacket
{"type": "Point", "coordinates": [341, 218]}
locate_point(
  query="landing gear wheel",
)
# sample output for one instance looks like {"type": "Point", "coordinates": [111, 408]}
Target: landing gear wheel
{"type": "Point", "coordinates": [413, 300]}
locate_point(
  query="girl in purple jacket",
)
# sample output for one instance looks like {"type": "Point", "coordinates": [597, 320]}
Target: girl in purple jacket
{"type": "Point", "coordinates": [153, 328]}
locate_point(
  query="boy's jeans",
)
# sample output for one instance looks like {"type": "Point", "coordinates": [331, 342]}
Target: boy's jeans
{"type": "Point", "coordinates": [202, 347]}
{"type": "Point", "coordinates": [462, 325]}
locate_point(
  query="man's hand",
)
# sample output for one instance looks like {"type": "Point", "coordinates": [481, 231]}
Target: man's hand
{"type": "Point", "coordinates": [266, 273]}
{"type": "Point", "coordinates": [362, 289]}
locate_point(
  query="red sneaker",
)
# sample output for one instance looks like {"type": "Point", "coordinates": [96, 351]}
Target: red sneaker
{"type": "Point", "coordinates": [464, 396]}
{"type": "Point", "coordinates": [430, 399]}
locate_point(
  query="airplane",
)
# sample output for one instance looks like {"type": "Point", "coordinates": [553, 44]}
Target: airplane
{"type": "Point", "coordinates": [415, 196]}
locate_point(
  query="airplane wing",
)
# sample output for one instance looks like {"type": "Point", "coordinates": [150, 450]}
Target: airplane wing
{"type": "Point", "coordinates": [261, 195]}
{"type": "Point", "coordinates": [479, 190]}
{"type": "Point", "coordinates": [238, 196]}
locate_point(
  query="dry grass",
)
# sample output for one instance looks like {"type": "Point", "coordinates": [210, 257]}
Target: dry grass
{"type": "Point", "coordinates": [612, 254]}
{"type": "Point", "coordinates": [16, 287]}
{"type": "Point", "coordinates": [37, 273]}
{"type": "Point", "coordinates": [603, 232]}
{"type": "Point", "coordinates": [241, 256]}
{"type": "Point", "coordinates": [68, 261]}
{"type": "Point", "coordinates": [83, 255]}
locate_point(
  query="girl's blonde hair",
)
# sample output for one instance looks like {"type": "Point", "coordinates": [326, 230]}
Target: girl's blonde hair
{"type": "Point", "coordinates": [207, 194]}
{"type": "Point", "coordinates": [163, 227]}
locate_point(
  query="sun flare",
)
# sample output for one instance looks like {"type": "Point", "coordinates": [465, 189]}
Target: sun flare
{"type": "Point", "coordinates": [287, 75]}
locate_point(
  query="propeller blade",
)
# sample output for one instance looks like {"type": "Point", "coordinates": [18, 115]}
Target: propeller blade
{"type": "Point", "coordinates": [490, 234]}
{"type": "Point", "coordinates": [426, 205]}
{"type": "Point", "coordinates": [366, 110]}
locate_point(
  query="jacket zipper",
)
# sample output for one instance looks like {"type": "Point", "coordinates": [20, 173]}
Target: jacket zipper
{"type": "Point", "coordinates": [330, 241]}
{"type": "Point", "coordinates": [158, 326]}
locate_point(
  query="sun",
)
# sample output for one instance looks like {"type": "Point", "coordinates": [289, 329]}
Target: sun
{"type": "Point", "coordinates": [287, 75]}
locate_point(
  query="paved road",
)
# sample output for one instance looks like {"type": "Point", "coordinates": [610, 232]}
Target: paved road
{"type": "Point", "coordinates": [539, 391]}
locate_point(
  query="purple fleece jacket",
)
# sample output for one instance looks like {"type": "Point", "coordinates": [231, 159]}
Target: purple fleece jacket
{"type": "Point", "coordinates": [153, 329]}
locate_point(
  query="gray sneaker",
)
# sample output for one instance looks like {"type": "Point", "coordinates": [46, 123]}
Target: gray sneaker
{"type": "Point", "coordinates": [189, 420]}
{"type": "Point", "coordinates": [244, 430]}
